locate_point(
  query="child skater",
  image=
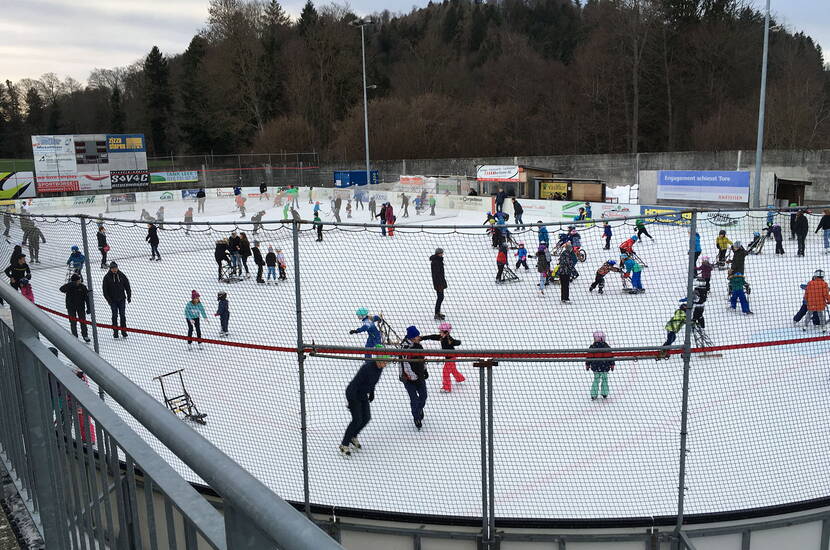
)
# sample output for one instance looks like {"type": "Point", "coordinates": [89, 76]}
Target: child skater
{"type": "Point", "coordinates": [223, 312]}
{"type": "Point", "coordinates": [522, 254]}
{"type": "Point", "coordinates": [447, 342]}
{"type": "Point", "coordinates": [271, 264]}
{"type": "Point", "coordinates": [600, 367]}
{"type": "Point", "coordinates": [281, 264]}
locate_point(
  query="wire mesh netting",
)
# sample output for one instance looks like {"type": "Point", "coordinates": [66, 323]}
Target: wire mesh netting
{"type": "Point", "coordinates": [571, 440]}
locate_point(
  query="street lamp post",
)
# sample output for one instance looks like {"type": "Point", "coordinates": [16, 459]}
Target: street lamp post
{"type": "Point", "coordinates": [362, 23]}
{"type": "Point", "coordinates": [759, 146]}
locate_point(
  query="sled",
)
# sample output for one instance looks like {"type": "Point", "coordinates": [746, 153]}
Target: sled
{"type": "Point", "coordinates": [390, 337]}
{"type": "Point", "coordinates": [702, 340]}
{"type": "Point", "coordinates": [182, 403]}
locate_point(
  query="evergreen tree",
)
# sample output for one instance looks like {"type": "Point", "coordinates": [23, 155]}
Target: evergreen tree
{"type": "Point", "coordinates": [55, 121]}
{"type": "Point", "coordinates": [158, 97]}
{"type": "Point", "coordinates": [117, 122]}
{"type": "Point", "coordinates": [197, 119]}
{"type": "Point", "coordinates": [308, 18]}
{"type": "Point", "coordinates": [35, 115]}
{"type": "Point", "coordinates": [271, 74]}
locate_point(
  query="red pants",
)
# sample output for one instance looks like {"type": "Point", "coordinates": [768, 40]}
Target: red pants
{"type": "Point", "coordinates": [450, 369]}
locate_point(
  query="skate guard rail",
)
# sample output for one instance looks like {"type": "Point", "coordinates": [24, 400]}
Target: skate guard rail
{"type": "Point", "coordinates": [254, 517]}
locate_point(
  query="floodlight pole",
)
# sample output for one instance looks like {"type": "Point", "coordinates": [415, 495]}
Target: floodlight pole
{"type": "Point", "coordinates": [759, 145]}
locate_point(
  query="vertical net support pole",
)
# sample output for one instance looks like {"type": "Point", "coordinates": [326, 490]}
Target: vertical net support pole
{"type": "Point", "coordinates": [482, 394]}
{"type": "Point", "coordinates": [90, 293]}
{"type": "Point", "coordinates": [491, 475]}
{"type": "Point", "coordinates": [687, 356]}
{"type": "Point", "coordinates": [295, 230]}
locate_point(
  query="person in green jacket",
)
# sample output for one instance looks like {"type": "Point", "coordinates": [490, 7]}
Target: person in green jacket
{"type": "Point", "coordinates": [193, 310]}
{"type": "Point", "coordinates": [641, 229]}
{"type": "Point", "coordinates": [432, 202]}
{"type": "Point", "coordinates": [675, 324]}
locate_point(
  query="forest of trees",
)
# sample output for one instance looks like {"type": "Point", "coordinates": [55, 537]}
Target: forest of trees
{"type": "Point", "coordinates": [454, 79]}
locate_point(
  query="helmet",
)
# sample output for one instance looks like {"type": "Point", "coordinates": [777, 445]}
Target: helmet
{"type": "Point", "coordinates": [23, 282]}
{"type": "Point", "coordinates": [362, 312]}
{"type": "Point", "coordinates": [75, 277]}
{"type": "Point", "coordinates": [737, 244]}
{"type": "Point", "coordinates": [75, 248]}
{"type": "Point", "coordinates": [611, 262]}
{"type": "Point", "coordinates": [633, 237]}
{"type": "Point", "coordinates": [756, 234]}
{"type": "Point", "coordinates": [599, 336]}
{"type": "Point", "coordinates": [819, 273]}
{"type": "Point", "coordinates": [445, 326]}
{"type": "Point", "coordinates": [738, 274]}
{"type": "Point", "coordinates": [722, 232]}
{"type": "Point", "coordinates": [542, 246]}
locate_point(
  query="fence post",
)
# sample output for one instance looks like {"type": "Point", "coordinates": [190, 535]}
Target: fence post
{"type": "Point", "coordinates": [485, 495]}
{"type": "Point", "coordinates": [295, 229]}
{"type": "Point", "coordinates": [687, 356]}
{"type": "Point", "coordinates": [40, 454]}
{"type": "Point", "coordinates": [488, 514]}
{"type": "Point", "coordinates": [90, 293]}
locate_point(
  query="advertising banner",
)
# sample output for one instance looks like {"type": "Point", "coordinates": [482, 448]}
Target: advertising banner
{"type": "Point", "coordinates": [55, 163]}
{"type": "Point", "coordinates": [188, 194]}
{"type": "Point", "coordinates": [17, 185]}
{"type": "Point", "coordinates": [557, 190]}
{"type": "Point", "coordinates": [188, 176]}
{"type": "Point", "coordinates": [709, 186]}
{"type": "Point", "coordinates": [617, 210]}
{"type": "Point", "coordinates": [674, 217]}
{"type": "Point", "coordinates": [497, 172]}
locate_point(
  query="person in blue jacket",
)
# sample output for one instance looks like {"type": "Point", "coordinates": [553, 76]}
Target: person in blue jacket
{"type": "Point", "coordinates": [522, 255]}
{"type": "Point", "coordinates": [770, 216]}
{"type": "Point", "coordinates": [193, 312]}
{"type": "Point", "coordinates": [588, 213]}
{"type": "Point", "coordinates": [698, 249]}
{"type": "Point", "coordinates": [368, 326]}
{"type": "Point", "coordinates": [359, 393]}
{"type": "Point", "coordinates": [76, 260]}
{"type": "Point", "coordinates": [544, 238]}
{"type": "Point", "coordinates": [607, 234]}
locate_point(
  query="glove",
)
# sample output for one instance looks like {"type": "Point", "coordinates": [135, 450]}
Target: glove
{"type": "Point", "coordinates": [371, 396]}
{"type": "Point", "coordinates": [352, 332]}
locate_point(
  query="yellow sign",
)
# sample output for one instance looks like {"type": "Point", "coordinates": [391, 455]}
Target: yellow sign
{"type": "Point", "coordinates": [554, 190]}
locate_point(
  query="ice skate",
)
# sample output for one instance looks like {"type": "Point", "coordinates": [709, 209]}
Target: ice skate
{"type": "Point", "coordinates": [439, 317]}
{"type": "Point", "coordinates": [86, 339]}
{"type": "Point", "coordinates": [199, 345]}
{"type": "Point", "coordinates": [356, 444]}
{"type": "Point", "coordinates": [190, 346]}
{"type": "Point", "coordinates": [345, 451]}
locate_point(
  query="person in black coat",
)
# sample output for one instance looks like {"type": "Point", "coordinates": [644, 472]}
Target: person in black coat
{"type": "Point", "coordinates": [18, 269]}
{"type": "Point", "coordinates": [103, 247]}
{"type": "Point", "coordinates": [117, 291]}
{"type": "Point", "coordinates": [500, 196]}
{"type": "Point", "coordinates": [414, 375]}
{"type": "Point", "coordinates": [77, 305]}
{"type": "Point", "coordinates": [801, 228]}
{"type": "Point", "coordinates": [244, 251]}
{"type": "Point", "coordinates": [517, 212]}
{"type": "Point", "coordinates": [824, 224]}
{"type": "Point", "coordinates": [439, 282]}
{"type": "Point", "coordinates": [382, 216]}
{"type": "Point", "coordinates": [200, 200]}
{"type": "Point", "coordinates": [258, 261]}
{"type": "Point", "coordinates": [153, 238]}
{"type": "Point", "coordinates": [359, 393]}
{"type": "Point", "coordinates": [220, 254]}
{"type": "Point", "coordinates": [600, 366]}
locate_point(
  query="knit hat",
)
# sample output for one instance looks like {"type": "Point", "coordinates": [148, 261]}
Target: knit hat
{"type": "Point", "coordinates": [599, 336]}
{"type": "Point", "coordinates": [75, 277]}
{"type": "Point", "coordinates": [194, 295]}
{"type": "Point", "coordinates": [412, 332]}
{"type": "Point", "coordinates": [445, 326]}
{"type": "Point", "coordinates": [113, 264]}
{"type": "Point", "coordinates": [439, 250]}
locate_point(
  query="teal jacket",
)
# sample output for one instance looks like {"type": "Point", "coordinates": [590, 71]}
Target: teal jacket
{"type": "Point", "coordinates": [193, 311]}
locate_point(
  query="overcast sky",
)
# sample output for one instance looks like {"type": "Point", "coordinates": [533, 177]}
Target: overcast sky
{"type": "Point", "coordinates": [70, 38]}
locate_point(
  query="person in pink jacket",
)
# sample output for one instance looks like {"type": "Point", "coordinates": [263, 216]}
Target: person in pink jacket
{"type": "Point", "coordinates": [390, 219]}
{"type": "Point", "coordinates": [26, 290]}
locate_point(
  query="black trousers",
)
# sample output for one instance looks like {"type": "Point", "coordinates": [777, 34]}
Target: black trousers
{"type": "Point", "coordinates": [779, 247]}
{"type": "Point", "coordinates": [643, 231]}
{"type": "Point", "coordinates": [608, 242]}
{"type": "Point", "coordinates": [522, 262]}
{"type": "Point", "coordinates": [439, 299]}
{"type": "Point", "coordinates": [77, 313]}
{"type": "Point", "coordinates": [599, 281]}
{"type": "Point", "coordinates": [194, 324]}
{"type": "Point", "coordinates": [500, 271]}
{"type": "Point", "coordinates": [259, 272]}
{"type": "Point", "coordinates": [103, 257]}
{"type": "Point", "coordinates": [801, 243]}
{"type": "Point", "coordinates": [565, 285]}
{"type": "Point", "coordinates": [361, 415]}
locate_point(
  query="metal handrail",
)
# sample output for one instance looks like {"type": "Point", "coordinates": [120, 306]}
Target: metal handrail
{"type": "Point", "coordinates": [270, 513]}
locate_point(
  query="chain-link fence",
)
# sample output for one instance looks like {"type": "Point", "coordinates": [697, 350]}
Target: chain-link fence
{"type": "Point", "coordinates": [724, 398]}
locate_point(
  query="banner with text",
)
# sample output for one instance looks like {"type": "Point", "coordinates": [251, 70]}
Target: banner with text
{"type": "Point", "coordinates": [709, 186]}
{"type": "Point", "coordinates": [497, 172]}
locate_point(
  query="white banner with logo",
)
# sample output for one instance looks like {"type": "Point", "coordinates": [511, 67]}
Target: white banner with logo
{"type": "Point", "coordinates": [497, 172]}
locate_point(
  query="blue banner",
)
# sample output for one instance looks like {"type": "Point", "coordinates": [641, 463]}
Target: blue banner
{"type": "Point", "coordinates": [705, 185]}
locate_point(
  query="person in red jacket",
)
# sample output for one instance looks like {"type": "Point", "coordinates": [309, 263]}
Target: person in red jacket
{"type": "Point", "coordinates": [817, 297]}
{"type": "Point", "coordinates": [627, 246]}
{"type": "Point", "coordinates": [390, 220]}
{"type": "Point", "coordinates": [501, 261]}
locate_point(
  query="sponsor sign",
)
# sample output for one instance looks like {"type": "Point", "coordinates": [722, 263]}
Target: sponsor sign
{"type": "Point", "coordinates": [412, 181]}
{"type": "Point", "coordinates": [166, 196]}
{"type": "Point", "coordinates": [617, 211]}
{"type": "Point", "coordinates": [709, 186]}
{"type": "Point", "coordinates": [667, 215]}
{"type": "Point", "coordinates": [189, 193]}
{"type": "Point", "coordinates": [721, 218]}
{"type": "Point", "coordinates": [86, 200]}
{"type": "Point", "coordinates": [188, 176]}
{"type": "Point", "coordinates": [129, 178]}
{"type": "Point", "coordinates": [118, 198]}
{"type": "Point", "coordinates": [223, 192]}
{"type": "Point", "coordinates": [557, 190]}
{"type": "Point", "coordinates": [497, 172]}
{"type": "Point", "coordinates": [125, 143]}
{"type": "Point", "coordinates": [17, 185]}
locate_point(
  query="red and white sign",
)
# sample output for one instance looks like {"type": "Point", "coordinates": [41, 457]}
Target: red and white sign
{"type": "Point", "coordinates": [497, 172]}
{"type": "Point", "coordinates": [414, 181]}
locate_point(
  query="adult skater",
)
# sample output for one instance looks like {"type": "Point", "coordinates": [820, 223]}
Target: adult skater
{"type": "Point", "coordinates": [200, 200]}
{"type": "Point", "coordinates": [257, 253]}
{"type": "Point", "coordinates": [359, 394]}
{"type": "Point", "coordinates": [367, 325]}
{"type": "Point", "coordinates": [698, 247]}
{"type": "Point", "coordinates": [779, 238]}
{"type": "Point", "coordinates": [118, 294]}
{"type": "Point", "coordinates": [450, 368]}
{"type": "Point", "coordinates": [439, 281]}
{"type": "Point", "coordinates": [802, 227]}
{"type": "Point", "coordinates": [500, 197]}
{"type": "Point", "coordinates": [77, 305]}
{"type": "Point", "coordinates": [18, 269]}
{"type": "Point", "coordinates": [739, 254]}
{"type": "Point", "coordinates": [103, 247]}
{"type": "Point", "coordinates": [220, 254]}
{"type": "Point", "coordinates": [263, 191]}
{"type": "Point", "coordinates": [414, 375]}
{"type": "Point", "coordinates": [160, 217]}
{"type": "Point", "coordinates": [404, 205]}
{"type": "Point", "coordinates": [542, 267]}
{"type": "Point", "coordinates": [737, 286]}
{"type": "Point", "coordinates": [223, 312]}
{"type": "Point", "coordinates": [817, 297]}
{"type": "Point", "coordinates": [193, 310]}
{"type": "Point", "coordinates": [234, 245]}
{"type": "Point", "coordinates": [294, 195]}
{"type": "Point", "coordinates": [567, 272]}
{"type": "Point", "coordinates": [518, 211]}
{"type": "Point", "coordinates": [607, 234]}
{"type": "Point", "coordinates": [544, 237]}
{"type": "Point", "coordinates": [338, 202]}
{"type": "Point", "coordinates": [153, 238]}
{"type": "Point", "coordinates": [188, 219]}
{"type": "Point", "coordinates": [599, 280]}
{"type": "Point", "coordinates": [244, 252]}
{"type": "Point", "coordinates": [824, 224]}
{"type": "Point", "coordinates": [358, 200]}
{"type": "Point", "coordinates": [76, 260]}
{"type": "Point", "coordinates": [382, 216]}
{"type": "Point", "coordinates": [793, 216]}
{"type": "Point", "coordinates": [432, 202]}
{"type": "Point", "coordinates": [600, 367]}
{"type": "Point", "coordinates": [34, 236]}
{"type": "Point", "coordinates": [640, 225]}
{"type": "Point", "coordinates": [372, 207]}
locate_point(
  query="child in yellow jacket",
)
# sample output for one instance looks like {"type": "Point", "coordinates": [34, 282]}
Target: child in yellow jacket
{"type": "Point", "coordinates": [723, 243]}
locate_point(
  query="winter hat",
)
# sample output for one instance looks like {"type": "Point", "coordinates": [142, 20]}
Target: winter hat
{"type": "Point", "coordinates": [113, 264]}
{"type": "Point", "coordinates": [412, 332]}
{"type": "Point", "coordinates": [599, 336]}
{"type": "Point", "coordinates": [75, 277]}
{"type": "Point", "coordinates": [705, 259]}
{"type": "Point", "coordinates": [75, 248]}
{"type": "Point", "coordinates": [194, 295]}
{"type": "Point", "coordinates": [445, 326]}
{"type": "Point", "coordinates": [439, 251]}
{"type": "Point", "coordinates": [737, 244]}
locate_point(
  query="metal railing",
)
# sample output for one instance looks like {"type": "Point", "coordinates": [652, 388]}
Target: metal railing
{"type": "Point", "coordinates": [90, 481]}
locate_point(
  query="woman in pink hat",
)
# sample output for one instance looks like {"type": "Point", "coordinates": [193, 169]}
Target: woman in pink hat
{"type": "Point", "coordinates": [193, 310]}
